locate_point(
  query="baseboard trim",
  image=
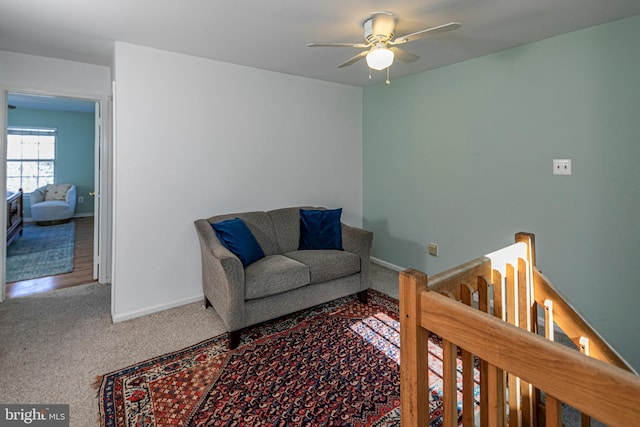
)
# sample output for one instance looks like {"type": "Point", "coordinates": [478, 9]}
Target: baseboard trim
{"type": "Point", "coordinates": [117, 318]}
{"type": "Point", "coordinates": [79, 215]}
{"type": "Point", "coordinates": [121, 317]}
{"type": "Point", "coordinates": [83, 215]}
{"type": "Point", "coordinates": [387, 264]}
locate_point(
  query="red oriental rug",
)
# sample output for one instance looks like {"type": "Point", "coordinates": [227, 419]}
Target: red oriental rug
{"type": "Point", "coordinates": [336, 364]}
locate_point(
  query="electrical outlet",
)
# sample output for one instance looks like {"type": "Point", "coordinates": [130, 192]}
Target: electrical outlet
{"type": "Point", "coordinates": [80, 199]}
{"type": "Point", "coordinates": [433, 249]}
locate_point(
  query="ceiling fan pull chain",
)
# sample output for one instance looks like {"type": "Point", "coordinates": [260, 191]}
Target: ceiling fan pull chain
{"type": "Point", "coordinates": [387, 81]}
{"type": "Point", "coordinates": [369, 73]}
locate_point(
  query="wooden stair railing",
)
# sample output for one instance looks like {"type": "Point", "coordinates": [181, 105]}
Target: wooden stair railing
{"type": "Point", "coordinates": [507, 288]}
{"type": "Point", "coordinates": [573, 325]}
{"type": "Point", "coordinates": [564, 374]}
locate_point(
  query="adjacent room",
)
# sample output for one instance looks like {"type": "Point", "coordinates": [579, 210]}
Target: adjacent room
{"type": "Point", "coordinates": [301, 224]}
{"type": "Point", "coordinates": [50, 141]}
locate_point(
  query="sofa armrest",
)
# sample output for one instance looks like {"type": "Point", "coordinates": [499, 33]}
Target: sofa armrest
{"type": "Point", "coordinates": [37, 195]}
{"type": "Point", "coordinates": [359, 241]}
{"type": "Point", "coordinates": [222, 277]}
{"type": "Point", "coordinates": [70, 198]}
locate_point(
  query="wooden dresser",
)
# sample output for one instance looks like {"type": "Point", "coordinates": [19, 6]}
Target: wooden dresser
{"type": "Point", "coordinates": [14, 215]}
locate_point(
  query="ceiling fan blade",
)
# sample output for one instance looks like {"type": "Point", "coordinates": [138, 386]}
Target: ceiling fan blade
{"type": "Point", "coordinates": [354, 59]}
{"type": "Point", "coordinates": [356, 45]}
{"type": "Point", "coordinates": [403, 55]}
{"type": "Point", "coordinates": [424, 33]}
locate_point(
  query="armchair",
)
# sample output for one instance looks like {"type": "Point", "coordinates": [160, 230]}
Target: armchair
{"type": "Point", "coordinates": [53, 204]}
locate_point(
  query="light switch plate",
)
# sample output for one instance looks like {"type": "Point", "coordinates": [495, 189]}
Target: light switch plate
{"type": "Point", "coordinates": [562, 166]}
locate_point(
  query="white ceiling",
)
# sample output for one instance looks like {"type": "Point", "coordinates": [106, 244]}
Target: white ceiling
{"type": "Point", "coordinates": [273, 34]}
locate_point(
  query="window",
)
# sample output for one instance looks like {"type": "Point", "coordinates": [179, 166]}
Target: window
{"type": "Point", "coordinates": [31, 156]}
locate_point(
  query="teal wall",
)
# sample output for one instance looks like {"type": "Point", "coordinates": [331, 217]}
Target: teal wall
{"type": "Point", "coordinates": [74, 151]}
{"type": "Point", "coordinates": [462, 156]}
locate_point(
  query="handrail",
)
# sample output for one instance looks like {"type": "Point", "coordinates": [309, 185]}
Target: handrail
{"type": "Point", "coordinates": [565, 374]}
{"type": "Point", "coordinates": [573, 324]}
{"type": "Point", "coordinates": [449, 280]}
{"type": "Point", "coordinates": [566, 317]}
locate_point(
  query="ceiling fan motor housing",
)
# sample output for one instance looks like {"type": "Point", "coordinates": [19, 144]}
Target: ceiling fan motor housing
{"type": "Point", "coordinates": [381, 49]}
{"type": "Point", "coordinates": [379, 27]}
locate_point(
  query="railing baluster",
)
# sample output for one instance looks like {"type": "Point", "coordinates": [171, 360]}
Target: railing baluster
{"type": "Point", "coordinates": [499, 297]}
{"type": "Point", "coordinates": [549, 332]}
{"type": "Point", "coordinates": [449, 384]}
{"type": "Point", "coordinates": [468, 401]}
{"type": "Point", "coordinates": [584, 349]}
{"type": "Point", "coordinates": [584, 345]}
{"type": "Point", "coordinates": [485, 291]}
{"type": "Point", "coordinates": [449, 379]}
{"type": "Point", "coordinates": [513, 382]}
{"type": "Point", "coordinates": [499, 304]}
{"type": "Point", "coordinates": [553, 411]}
{"type": "Point", "coordinates": [499, 311]}
{"type": "Point", "coordinates": [548, 320]}
{"type": "Point", "coordinates": [524, 321]}
{"type": "Point", "coordinates": [495, 392]}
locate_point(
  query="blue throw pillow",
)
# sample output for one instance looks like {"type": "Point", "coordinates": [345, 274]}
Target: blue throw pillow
{"type": "Point", "coordinates": [320, 229]}
{"type": "Point", "coordinates": [236, 236]}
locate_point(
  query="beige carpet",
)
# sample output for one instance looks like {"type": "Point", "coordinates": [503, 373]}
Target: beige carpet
{"type": "Point", "coordinates": [52, 345]}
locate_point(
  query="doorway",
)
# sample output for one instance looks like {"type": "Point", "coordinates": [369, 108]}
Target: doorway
{"type": "Point", "coordinates": [79, 155]}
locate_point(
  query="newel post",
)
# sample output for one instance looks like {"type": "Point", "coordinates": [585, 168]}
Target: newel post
{"type": "Point", "coordinates": [414, 364]}
{"type": "Point", "coordinates": [530, 240]}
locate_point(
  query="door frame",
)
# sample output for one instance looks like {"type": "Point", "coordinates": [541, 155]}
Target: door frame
{"type": "Point", "coordinates": [103, 175]}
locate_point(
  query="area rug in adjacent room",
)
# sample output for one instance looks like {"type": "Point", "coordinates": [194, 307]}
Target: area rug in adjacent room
{"type": "Point", "coordinates": [335, 364]}
{"type": "Point", "coordinates": [41, 251]}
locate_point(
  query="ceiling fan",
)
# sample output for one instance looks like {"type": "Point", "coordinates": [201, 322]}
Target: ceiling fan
{"type": "Point", "coordinates": [380, 47]}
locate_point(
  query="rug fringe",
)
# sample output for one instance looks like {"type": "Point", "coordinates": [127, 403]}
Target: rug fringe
{"type": "Point", "coordinates": [96, 382]}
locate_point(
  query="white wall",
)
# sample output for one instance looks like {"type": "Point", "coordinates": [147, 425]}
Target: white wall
{"type": "Point", "coordinates": [37, 74]}
{"type": "Point", "coordinates": [196, 137]}
{"type": "Point", "coordinates": [47, 75]}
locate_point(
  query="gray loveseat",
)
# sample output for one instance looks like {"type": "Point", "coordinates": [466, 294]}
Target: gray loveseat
{"type": "Point", "coordinates": [286, 279]}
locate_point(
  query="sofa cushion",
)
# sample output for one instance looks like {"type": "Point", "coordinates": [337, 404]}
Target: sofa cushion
{"type": "Point", "coordinates": [286, 224]}
{"type": "Point", "coordinates": [327, 265]}
{"type": "Point", "coordinates": [236, 236]}
{"type": "Point", "coordinates": [260, 225]}
{"type": "Point", "coordinates": [272, 275]}
{"type": "Point", "coordinates": [320, 229]}
{"type": "Point", "coordinates": [56, 191]}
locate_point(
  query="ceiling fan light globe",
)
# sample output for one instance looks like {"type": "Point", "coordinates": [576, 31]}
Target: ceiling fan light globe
{"type": "Point", "coordinates": [379, 58]}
